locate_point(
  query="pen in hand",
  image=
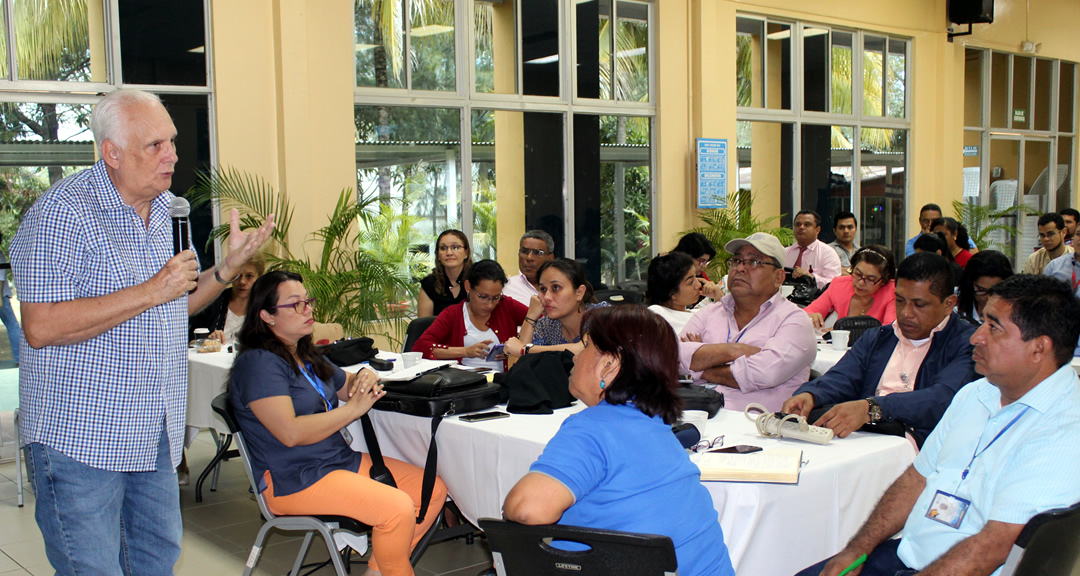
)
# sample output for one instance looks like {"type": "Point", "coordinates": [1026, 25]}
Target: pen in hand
{"type": "Point", "coordinates": [858, 562]}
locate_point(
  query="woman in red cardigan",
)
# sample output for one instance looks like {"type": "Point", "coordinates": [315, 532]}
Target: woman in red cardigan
{"type": "Point", "coordinates": [869, 290]}
{"type": "Point", "coordinates": [467, 331]}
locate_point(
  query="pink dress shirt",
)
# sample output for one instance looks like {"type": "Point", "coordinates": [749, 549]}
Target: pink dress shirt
{"type": "Point", "coordinates": [819, 256]}
{"type": "Point", "coordinates": [838, 297]}
{"type": "Point", "coordinates": [906, 359]}
{"type": "Point", "coordinates": [782, 331]}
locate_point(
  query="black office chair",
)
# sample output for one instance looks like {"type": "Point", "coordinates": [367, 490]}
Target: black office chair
{"type": "Point", "coordinates": [415, 330]}
{"type": "Point", "coordinates": [857, 326]}
{"type": "Point", "coordinates": [519, 549]}
{"type": "Point", "coordinates": [326, 525]}
{"type": "Point", "coordinates": [634, 285]}
{"type": "Point", "coordinates": [1049, 545]}
{"type": "Point", "coordinates": [616, 297]}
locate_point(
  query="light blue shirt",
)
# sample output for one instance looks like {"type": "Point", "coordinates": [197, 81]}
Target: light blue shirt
{"type": "Point", "coordinates": [1065, 267]}
{"type": "Point", "coordinates": [1031, 468]}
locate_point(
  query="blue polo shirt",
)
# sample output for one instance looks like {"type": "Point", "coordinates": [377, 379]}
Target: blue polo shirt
{"type": "Point", "coordinates": [1034, 466]}
{"type": "Point", "coordinates": [628, 472]}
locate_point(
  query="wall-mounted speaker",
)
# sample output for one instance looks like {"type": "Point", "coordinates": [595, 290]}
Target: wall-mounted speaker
{"type": "Point", "coordinates": [971, 11]}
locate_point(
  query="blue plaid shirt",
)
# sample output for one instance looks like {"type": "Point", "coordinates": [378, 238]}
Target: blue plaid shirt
{"type": "Point", "coordinates": [102, 401]}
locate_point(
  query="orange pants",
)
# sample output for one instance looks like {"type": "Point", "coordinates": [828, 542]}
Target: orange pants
{"type": "Point", "coordinates": [391, 512]}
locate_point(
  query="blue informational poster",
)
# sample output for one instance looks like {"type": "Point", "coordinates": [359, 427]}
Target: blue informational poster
{"type": "Point", "coordinates": [712, 161]}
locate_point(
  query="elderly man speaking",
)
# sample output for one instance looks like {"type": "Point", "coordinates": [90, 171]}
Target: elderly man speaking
{"type": "Point", "coordinates": [753, 343]}
{"type": "Point", "coordinates": [103, 382]}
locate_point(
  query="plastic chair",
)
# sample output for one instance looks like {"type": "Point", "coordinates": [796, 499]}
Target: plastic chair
{"type": "Point", "coordinates": [415, 330]}
{"type": "Point", "coordinates": [1049, 545]}
{"type": "Point", "coordinates": [857, 325]}
{"type": "Point", "coordinates": [520, 549]}
{"type": "Point", "coordinates": [616, 297]}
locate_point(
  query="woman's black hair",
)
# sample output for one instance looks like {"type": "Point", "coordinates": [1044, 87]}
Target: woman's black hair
{"type": "Point", "coordinates": [696, 245]}
{"type": "Point", "coordinates": [648, 353]}
{"type": "Point", "coordinates": [932, 242]}
{"type": "Point", "coordinates": [486, 270]}
{"type": "Point", "coordinates": [573, 272]}
{"type": "Point", "coordinates": [984, 264]}
{"type": "Point", "coordinates": [666, 273]}
{"type": "Point", "coordinates": [256, 335]}
{"type": "Point", "coordinates": [879, 257]}
{"type": "Point", "coordinates": [440, 270]}
{"type": "Point", "coordinates": [955, 227]}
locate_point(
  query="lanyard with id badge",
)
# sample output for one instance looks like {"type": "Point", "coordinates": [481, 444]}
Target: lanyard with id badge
{"type": "Point", "coordinates": [949, 509]}
{"type": "Point", "coordinates": [322, 394]}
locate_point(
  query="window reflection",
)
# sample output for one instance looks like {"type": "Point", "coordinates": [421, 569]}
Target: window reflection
{"type": "Point", "coordinates": [625, 198]}
{"type": "Point", "coordinates": [53, 41]}
{"type": "Point", "coordinates": [379, 43]}
{"type": "Point", "coordinates": [432, 45]}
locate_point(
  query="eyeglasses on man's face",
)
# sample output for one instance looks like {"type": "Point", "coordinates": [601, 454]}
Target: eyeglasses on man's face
{"type": "Point", "coordinates": [1047, 234]}
{"type": "Point", "coordinates": [300, 306]}
{"type": "Point", "coordinates": [526, 252]}
{"type": "Point", "coordinates": [451, 248]}
{"type": "Point", "coordinates": [750, 263]}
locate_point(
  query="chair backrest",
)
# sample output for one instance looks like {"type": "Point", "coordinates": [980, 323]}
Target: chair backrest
{"type": "Point", "coordinates": [857, 325]}
{"type": "Point", "coordinates": [415, 330]}
{"type": "Point", "coordinates": [520, 549]}
{"type": "Point", "coordinates": [221, 405]}
{"type": "Point", "coordinates": [634, 285]}
{"type": "Point", "coordinates": [1050, 544]}
{"type": "Point", "coordinates": [616, 297]}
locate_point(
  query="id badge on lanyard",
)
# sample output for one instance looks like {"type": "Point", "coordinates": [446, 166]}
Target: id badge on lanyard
{"type": "Point", "coordinates": [318, 388]}
{"type": "Point", "coordinates": [948, 509]}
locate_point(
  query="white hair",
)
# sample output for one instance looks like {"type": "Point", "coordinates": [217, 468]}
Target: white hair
{"type": "Point", "coordinates": [107, 119]}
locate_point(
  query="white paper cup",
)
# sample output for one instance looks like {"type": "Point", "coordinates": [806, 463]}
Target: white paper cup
{"type": "Point", "coordinates": [787, 290]}
{"type": "Point", "coordinates": [698, 418]}
{"type": "Point", "coordinates": [409, 359]}
{"type": "Point", "coordinates": [840, 339]}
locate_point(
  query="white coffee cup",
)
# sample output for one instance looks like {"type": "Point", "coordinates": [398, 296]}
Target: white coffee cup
{"type": "Point", "coordinates": [409, 359]}
{"type": "Point", "coordinates": [786, 290]}
{"type": "Point", "coordinates": [840, 339]}
{"type": "Point", "coordinates": [696, 417]}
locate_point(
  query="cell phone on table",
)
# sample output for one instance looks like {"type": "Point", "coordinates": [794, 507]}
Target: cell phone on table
{"type": "Point", "coordinates": [494, 352]}
{"type": "Point", "coordinates": [483, 416]}
{"type": "Point", "coordinates": [739, 449]}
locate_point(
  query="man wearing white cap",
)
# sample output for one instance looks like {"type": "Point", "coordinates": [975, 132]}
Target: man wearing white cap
{"type": "Point", "coordinates": [753, 343]}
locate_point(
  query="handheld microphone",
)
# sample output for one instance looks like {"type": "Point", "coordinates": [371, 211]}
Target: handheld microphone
{"type": "Point", "coordinates": [179, 209]}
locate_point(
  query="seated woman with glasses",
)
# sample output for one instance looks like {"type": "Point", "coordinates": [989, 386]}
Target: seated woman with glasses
{"type": "Point", "coordinates": [467, 332]}
{"type": "Point", "coordinates": [442, 288]}
{"type": "Point", "coordinates": [554, 318]}
{"type": "Point", "coordinates": [697, 246]}
{"type": "Point", "coordinates": [673, 288]}
{"type": "Point", "coordinates": [616, 465]}
{"type": "Point", "coordinates": [983, 271]}
{"type": "Point", "coordinates": [293, 406]}
{"type": "Point", "coordinates": [868, 291]}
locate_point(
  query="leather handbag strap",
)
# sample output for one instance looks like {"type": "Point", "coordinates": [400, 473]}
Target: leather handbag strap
{"type": "Point", "coordinates": [430, 469]}
{"type": "Point", "coordinates": [379, 472]}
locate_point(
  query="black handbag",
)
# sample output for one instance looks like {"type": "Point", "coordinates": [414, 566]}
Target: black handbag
{"type": "Point", "coordinates": [700, 398]}
{"type": "Point", "coordinates": [350, 351]}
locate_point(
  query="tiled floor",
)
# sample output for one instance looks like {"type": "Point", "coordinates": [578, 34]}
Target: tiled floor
{"type": "Point", "coordinates": [218, 532]}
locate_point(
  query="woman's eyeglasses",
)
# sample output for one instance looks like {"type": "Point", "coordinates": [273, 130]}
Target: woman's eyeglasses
{"type": "Point", "coordinates": [717, 442]}
{"type": "Point", "coordinates": [864, 279]}
{"type": "Point", "coordinates": [454, 248]}
{"type": "Point", "coordinates": [300, 306]}
{"type": "Point", "coordinates": [485, 298]}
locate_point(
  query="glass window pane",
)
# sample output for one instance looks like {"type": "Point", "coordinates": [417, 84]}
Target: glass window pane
{"type": "Point", "coordinates": [764, 156]}
{"type": "Point", "coordinates": [625, 199]}
{"type": "Point", "coordinates": [841, 72]}
{"type": "Point", "coordinates": [749, 62]}
{"type": "Point", "coordinates": [431, 37]}
{"type": "Point", "coordinates": [896, 78]}
{"type": "Point", "coordinates": [882, 182]}
{"type": "Point", "coordinates": [778, 65]}
{"type": "Point", "coordinates": [1021, 103]}
{"type": "Point", "coordinates": [595, 73]}
{"type": "Point", "coordinates": [816, 68]}
{"type": "Point", "coordinates": [1041, 111]}
{"type": "Point", "coordinates": [60, 41]}
{"type": "Point", "coordinates": [972, 180]}
{"type": "Point", "coordinates": [999, 90]}
{"type": "Point", "coordinates": [495, 34]}
{"type": "Point", "coordinates": [973, 65]}
{"type": "Point", "coordinates": [1066, 105]}
{"type": "Point", "coordinates": [408, 158]}
{"type": "Point", "coordinates": [540, 47]}
{"type": "Point", "coordinates": [827, 154]}
{"type": "Point", "coordinates": [1004, 171]}
{"type": "Point", "coordinates": [163, 42]}
{"type": "Point", "coordinates": [484, 154]}
{"type": "Point", "coordinates": [1037, 195]}
{"type": "Point", "coordinates": [873, 76]}
{"type": "Point", "coordinates": [632, 52]}
{"type": "Point", "coordinates": [1064, 185]}
{"type": "Point", "coordinates": [3, 43]}
{"type": "Point", "coordinates": [380, 43]}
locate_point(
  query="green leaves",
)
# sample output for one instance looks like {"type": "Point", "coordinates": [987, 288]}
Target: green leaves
{"type": "Point", "coordinates": [736, 221]}
{"type": "Point", "coordinates": [981, 221]}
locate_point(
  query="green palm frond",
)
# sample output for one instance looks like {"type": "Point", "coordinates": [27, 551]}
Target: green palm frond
{"type": "Point", "coordinates": [252, 196]}
{"type": "Point", "coordinates": [736, 221]}
{"type": "Point", "coordinates": [981, 221]}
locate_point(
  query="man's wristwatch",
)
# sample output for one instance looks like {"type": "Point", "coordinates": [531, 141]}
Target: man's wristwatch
{"type": "Point", "coordinates": [875, 411]}
{"type": "Point", "coordinates": [525, 349]}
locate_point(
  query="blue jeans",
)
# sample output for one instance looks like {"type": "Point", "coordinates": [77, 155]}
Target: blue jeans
{"type": "Point", "coordinates": [106, 523]}
{"type": "Point", "coordinates": [14, 332]}
{"type": "Point", "coordinates": [883, 561]}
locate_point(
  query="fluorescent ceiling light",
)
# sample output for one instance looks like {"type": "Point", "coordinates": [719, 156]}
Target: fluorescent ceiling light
{"type": "Point", "coordinates": [807, 32]}
{"type": "Point", "coordinates": [361, 47]}
{"type": "Point", "coordinates": [430, 30]}
{"type": "Point", "coordinates": [631, 52]}
{"type": "Point", "coordinates": [544, 60]}
{"type": "Point", "coordinates": [198, 50]}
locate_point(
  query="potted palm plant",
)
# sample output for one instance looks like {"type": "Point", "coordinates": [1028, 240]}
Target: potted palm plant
{"type": "Point", "coordinates": [723, 225]}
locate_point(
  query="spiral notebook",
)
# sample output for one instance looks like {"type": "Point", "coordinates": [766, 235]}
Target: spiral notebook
{"type": "Point", "coordinates": [773, 465]}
